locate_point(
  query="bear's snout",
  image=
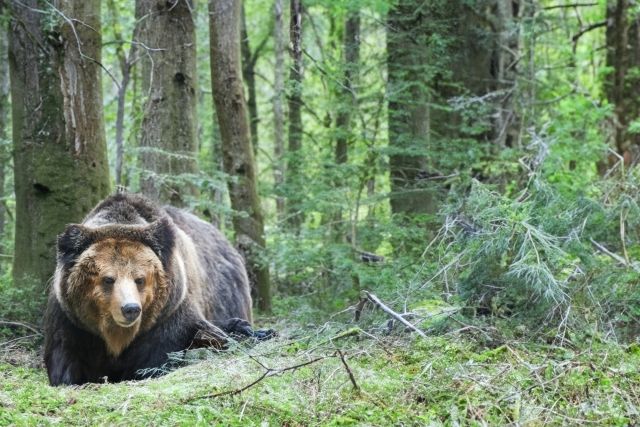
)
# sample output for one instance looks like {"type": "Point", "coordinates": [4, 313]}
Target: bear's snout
{"type": "Point", "coordinates": [131, 311]}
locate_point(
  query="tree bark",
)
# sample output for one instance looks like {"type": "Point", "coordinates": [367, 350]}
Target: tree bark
{"type": "Point", "coordinates": [60, 155]}
{"type": "Point", "coordinates": [623, 84]}
{"type": "Point", "coordinates": [407, 52]}
{"type": "Point", "coordinates": [278, 109]}
{"type": "Point", "coordinates": [351, 48]}
{"type": "Point", "coordinates": [249, 75]}
{"type": "Point", "coordinates": [294, 180]}
{"type": "Point", "coordinates": [5, 148]}
{"type": "Point", "coordinates": [168, 136]}
{"type": "Point", "coordinates": [126, 62]}
{"type": "Point", "coordinates": [237, 152]}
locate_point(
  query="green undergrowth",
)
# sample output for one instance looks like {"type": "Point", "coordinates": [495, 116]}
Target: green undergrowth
{"type": "Point", "coordinates": [339, 374]}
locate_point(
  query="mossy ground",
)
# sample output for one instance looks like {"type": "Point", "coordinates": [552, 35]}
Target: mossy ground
{"type": "Point", "coordinates": [401, 380]}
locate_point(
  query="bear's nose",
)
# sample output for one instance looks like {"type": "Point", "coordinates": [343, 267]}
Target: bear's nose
{"type": "Point", "coordinates": [131, 311]}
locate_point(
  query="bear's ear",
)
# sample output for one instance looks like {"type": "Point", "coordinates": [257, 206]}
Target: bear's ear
{"type": "Point", "coordinates": [161, 238]}
{"type": "Point", "coordinates": [73, 242]}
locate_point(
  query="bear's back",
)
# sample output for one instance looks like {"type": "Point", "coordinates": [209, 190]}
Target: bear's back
{"type": "Point", "coordinates": [225, 282]}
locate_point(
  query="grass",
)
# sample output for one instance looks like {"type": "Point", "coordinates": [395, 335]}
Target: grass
{"type": "Point", "coordinates": [396, 380]}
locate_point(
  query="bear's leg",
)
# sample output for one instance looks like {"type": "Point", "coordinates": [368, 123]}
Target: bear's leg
{"type": "Point", "coordinates": [61, 368]}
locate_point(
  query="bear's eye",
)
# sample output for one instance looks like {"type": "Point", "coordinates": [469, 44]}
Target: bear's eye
{"type": "Point", "coordinates": [108, 282]}
{"type": "Point", "coordinates": [139, 281]}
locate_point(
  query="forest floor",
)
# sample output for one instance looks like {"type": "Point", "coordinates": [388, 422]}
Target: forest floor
{"type": "Point", "coordinates": [339, 374]}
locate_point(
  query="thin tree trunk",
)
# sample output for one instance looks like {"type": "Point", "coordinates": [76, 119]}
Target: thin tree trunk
{"type": "Point", "coordinates": [347, 103]}
{"type": "Point", "coordinates": [278, 109]}
{"type": "Point", "coordinates": [293, 173]}
{"type": "Point", "coordinates": [60, 154]}
{"type": "Point", "coordinates": [126, 62]}
{"type": "Point", "coordinates": [249, 75]}
{"type": "Point", "coordinates": [168, 138]}
{"type": "Point", "coordinates": [507, 127]}
{"type": "Point", "coordinates": [351, 47]}
{"type": "Point", "coordinates": [623, 84]}
{"type": "Point", "coordinates": [237, 153]}
{"type": "Point", "coordinates": [5, 148]}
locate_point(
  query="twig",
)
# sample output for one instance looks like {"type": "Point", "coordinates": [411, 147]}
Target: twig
{"type": "Point", "coordinates": [374, 299]}
{"type": "Point", "coordinates": [346, 366]}
{"type": "Point", "coordinates": [571, 5]}
{"type": "Point", "coordinates": [20, 325]}
{"type": "Point", "coordinates": [269, 372]}
{"type": "Point", "coordinates": [585, 30]}
{"type": "Point", "coordinates": [358, 309]}
{"type": "Point", "coordinates": [615, 256]}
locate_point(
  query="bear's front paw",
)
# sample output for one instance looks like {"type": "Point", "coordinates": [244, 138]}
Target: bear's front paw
{"type": "Point", "coordinates": [209, 336]}
{"type": "Point", "coordinates": [242, 328]}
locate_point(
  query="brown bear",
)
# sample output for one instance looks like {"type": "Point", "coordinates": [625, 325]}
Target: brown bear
{"type": "Point", "coordinates": [135, 282]}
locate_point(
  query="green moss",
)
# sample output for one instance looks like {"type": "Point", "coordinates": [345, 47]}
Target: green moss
{"type": "Point", "coordinates": [440, 380]}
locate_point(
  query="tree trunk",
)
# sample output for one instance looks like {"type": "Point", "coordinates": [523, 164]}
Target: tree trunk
{"type": "Point", "coordinates": [5, 149]}
{"type": "Point", "coordinates": [451, 85]}
{"type": "Point", "coordinates": [351, 47]}
{"type": "Point", "coordinates": [249, 75]}
{"type": "Point", "coordinates": [507, 126]}
{"type": "Point", "coordinates": [237, 152]}
{"type": "Point", "coordinates": [278, 109]}
{"type": "Point", "coordinates": [622, 85]}
{"type": "Point", "coordinates": [407, 55]}
{"type": "Point", "coordinates": [126, 62]}
{"type": "Point", "coordinates": [60, 154]}
{"type": "Point", "coordinates": [168, 139]}
{"type": "Point", "coordinates": [293, 176]}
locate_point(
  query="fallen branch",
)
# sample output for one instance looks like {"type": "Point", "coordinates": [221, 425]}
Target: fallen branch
{"type": "Point", "coordinates": [20, 325]}
{"type": "Point", "coordinates": [374, 299]}
{"type": "Point", "coordinates": [615, 256]}
{"type": "Point", "coordinates": [269, 372]}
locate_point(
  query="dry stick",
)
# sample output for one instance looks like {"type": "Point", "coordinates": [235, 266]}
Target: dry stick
{"type": "Point", "coordinates": [269, 372]}
{"type": "Point", "coordinates": [351, 377]}
{"type": "Point", "coordinates": [374, 299]}
{"type": "Point", "coordinates": [615, 256]}
{"type": "Point", "coordinates": [20, 325]}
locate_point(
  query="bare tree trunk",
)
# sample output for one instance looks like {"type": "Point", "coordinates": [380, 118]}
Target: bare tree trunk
{"type": "Point", "coordinates": [507, 127]}
{"type": "Point", "coordinates": [347, 103]}
{"type": "Point", "coordinates": [407, 54]}
{"type": "Point", "coordinates": [351, 47]}
{"type": "Point", "coordinates": [168, 139]}
{"type": "Point", "coordinates": [623, 84]}
{"type": "Point", "coordinates": [126, 62]}
{"type": "Point", "coordinates": [293, 173]}
{"type": "Point", "coordinates": [5, 148]}
{"type": "Point", "coordinates": [278, 109]}
{"type": "Point", "coordinates": [60, 153]}
{"type": "Point", "coordinates": [237, 153]}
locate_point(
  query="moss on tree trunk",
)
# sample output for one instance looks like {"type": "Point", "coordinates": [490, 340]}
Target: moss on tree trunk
{"type": "Point", "coordinates": [60, 157]}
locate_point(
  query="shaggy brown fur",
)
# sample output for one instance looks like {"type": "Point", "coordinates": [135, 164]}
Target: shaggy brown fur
{"type": "Point", "coordinates": [180, 271]}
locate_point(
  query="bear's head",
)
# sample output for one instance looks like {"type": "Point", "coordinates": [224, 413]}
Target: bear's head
{"type": "Point", "coordinates": [114, 280]}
